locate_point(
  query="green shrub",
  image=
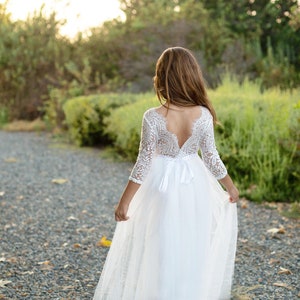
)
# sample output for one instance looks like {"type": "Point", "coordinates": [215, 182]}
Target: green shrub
{"type": "Point", "coordinates": [52, 108]}
{"type": "Point", "coordinates": [258, 139]}
{"type": "Point", "coordinates": [124, 125]}
{"type": "Point", "coordinates": [3, 116]}
{"type": "Point", "coordinates": [85, 116]}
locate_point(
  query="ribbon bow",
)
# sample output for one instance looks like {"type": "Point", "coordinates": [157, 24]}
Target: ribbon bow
{"type": "Point", "coordinates": [186, 175]}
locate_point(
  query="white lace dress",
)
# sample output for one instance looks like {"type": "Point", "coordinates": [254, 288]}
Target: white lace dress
{"type": "Point", "coordinates": [180, 240]}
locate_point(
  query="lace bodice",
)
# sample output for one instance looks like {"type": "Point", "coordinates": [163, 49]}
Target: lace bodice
{"type": "Point", "coordinates": [156, 139]}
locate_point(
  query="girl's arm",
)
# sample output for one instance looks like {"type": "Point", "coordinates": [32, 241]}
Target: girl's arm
{"type": "Point", "coordinates": [214, 163]}
{"type": "Point", "coordinates": [122, 207]}
{"type": "Point", "coordinates": [231, 188]}
{"type": "Point", "coordinates": [140, 169]}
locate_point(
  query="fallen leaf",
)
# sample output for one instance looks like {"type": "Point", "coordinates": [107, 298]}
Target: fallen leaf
{"type": "Point", "coordinates": [104, 242]}
{"type": "Point", "coordinates": [243, 240]}
{"type": "Point", "coordinates": [47, 262]}
{"type": "Point", "coordinates": [27, 272]}
{"type": "Point", "coordinates": [76, 245]}
{"type": "Point", "coordinates": [46, 265]}
{"type": "Point", "coordinates": [2, 194]}
{"type": "Point", "coordinates": [274, 261]}
{"type": "Point", "coordinates": [284, 271]}
{"type": "Point", "coordinates": [282, 284]}
{"type": "Point", "coordinates": [12, 260]}
{"type": "Point", "coordinates": [244, 204]}
{"type": "Point", "coordinates": [10, 160]}
{"type": "Point", "coordinates": [7, 226]}
{"type": "Point", "coordinates": [280, 230]}
{"type": "Point", "coordinates": [59, 180]}
{"type": "Point", "coordinates": [67, 287]}
{"type": "Point", "coordinates": [3, 283]}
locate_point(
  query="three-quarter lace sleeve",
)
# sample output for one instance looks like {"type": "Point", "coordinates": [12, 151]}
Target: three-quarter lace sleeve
{"type": "Point", "coordinates": [146, 151]}
{"type": "Point", "coordinates": [209, 153]}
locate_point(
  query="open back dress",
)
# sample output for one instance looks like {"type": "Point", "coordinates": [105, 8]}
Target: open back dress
{"type": "Point", "coordinates": [180, 240]}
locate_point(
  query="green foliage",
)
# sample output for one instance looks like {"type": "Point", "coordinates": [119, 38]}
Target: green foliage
{"type": "Point", "coordinates": [85, 116]}
{"type": "Point", "coordinates": [40, 69]}
{"type": "Point", "coordinates": [29, 54]}
{"type": "Point", "coordinates": [256, 140]}
{"type": "Point", "coordinates": [52, 109]}
{"type": "Point", "coordinates": [124, 125]}
{"type": "Point", "coordinates": [3, 116]}
{"type": "Point", "coordinates": [276, 70]}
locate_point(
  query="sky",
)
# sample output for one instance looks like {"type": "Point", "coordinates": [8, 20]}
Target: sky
{"type": "Point", "coordinates": [79, 14]}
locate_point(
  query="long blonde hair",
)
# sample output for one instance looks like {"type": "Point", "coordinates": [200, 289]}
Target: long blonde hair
{"type": "Point", "coordinates": [178, 80]}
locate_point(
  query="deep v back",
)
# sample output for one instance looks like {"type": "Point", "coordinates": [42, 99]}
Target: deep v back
{"type": "Point", "coordinates": [180, 122]}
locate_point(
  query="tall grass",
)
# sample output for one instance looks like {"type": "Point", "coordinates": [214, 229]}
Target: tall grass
{"type": "Point", "coordinates": [85, 116]}
{"type": "Point", "coordinates": [258, 137]}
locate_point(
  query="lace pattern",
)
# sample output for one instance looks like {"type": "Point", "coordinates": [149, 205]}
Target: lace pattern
{"type": "Point", "coordinates": [209, 151]}
{"type": "Point", "coordinates": [146, 151]}
{"type": "Point", "coordinates": [156, 139]}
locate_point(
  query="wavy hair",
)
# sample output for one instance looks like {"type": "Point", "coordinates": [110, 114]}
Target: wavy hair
{"type": "Point", "coordinates": [178, 80]}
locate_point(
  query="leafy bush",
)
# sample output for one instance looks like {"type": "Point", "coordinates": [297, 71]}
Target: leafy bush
{"type": "Point", "coordinates": [30, 56]}
{"type": "Point", "coordinates": [3, 116]}
{"type": "Point", "coordinates": [85, 116]}
{"type": "Point", "coordinates": [258, 139]}
{"type": "Point", "coordinates": [124, 125]}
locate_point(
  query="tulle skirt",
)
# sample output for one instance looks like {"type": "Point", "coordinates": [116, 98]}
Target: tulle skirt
{"type": "Point", "coordinates": [180, 240]}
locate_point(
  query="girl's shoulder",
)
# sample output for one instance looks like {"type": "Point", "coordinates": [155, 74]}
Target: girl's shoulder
{"type": "Point", "coordinates": [205, 112]}
{"type": "Point", "coordinates": [150, 112]}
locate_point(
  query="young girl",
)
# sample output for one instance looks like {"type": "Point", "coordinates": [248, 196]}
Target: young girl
{"type": "Point", "coordinates": [179, 238]}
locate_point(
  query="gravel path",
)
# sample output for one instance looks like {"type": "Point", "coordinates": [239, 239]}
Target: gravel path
{"type": "Point", "coordinates": [49, 231]}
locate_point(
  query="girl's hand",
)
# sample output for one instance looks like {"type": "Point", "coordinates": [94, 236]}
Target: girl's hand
{"type": "Point", "coordinates": [233, 194]}
{"type": "Point", "coordinates": [122, 207]}
{"type": "Point", "coordinates": [121, 212]}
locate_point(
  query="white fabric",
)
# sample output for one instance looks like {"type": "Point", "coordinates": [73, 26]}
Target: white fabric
{"type": "Point", "coordinates": [180, 240]}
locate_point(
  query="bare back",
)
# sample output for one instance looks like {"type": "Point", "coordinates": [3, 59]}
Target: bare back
{"type": "Point", "coordinates": [180, 120]}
